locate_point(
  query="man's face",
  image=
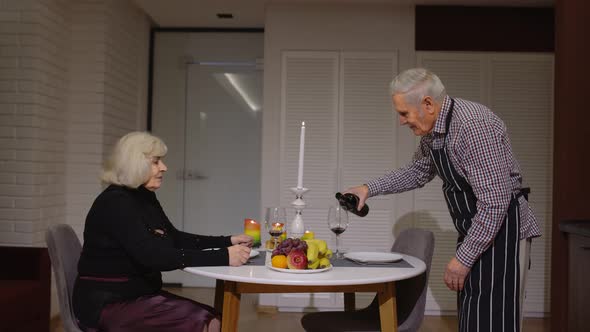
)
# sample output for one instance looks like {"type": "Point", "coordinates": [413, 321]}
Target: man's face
{"type": "Point", "coordinates": [420, 119]}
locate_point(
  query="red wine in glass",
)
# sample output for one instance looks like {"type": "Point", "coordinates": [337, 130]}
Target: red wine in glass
{"type": "Point", "coordinates": [275, 233]}
{"type": "Point", "coordinates": [338, 230]}
{"type": "Point", "coordinates": [337, 222]}
{"type": "Point", "coordinates": [276, 230]}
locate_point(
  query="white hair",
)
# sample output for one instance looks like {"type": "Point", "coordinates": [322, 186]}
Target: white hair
{"type": "Point", "coordinates": [129, 164]}
{"type": "Point", "coordinates": [417, 83]}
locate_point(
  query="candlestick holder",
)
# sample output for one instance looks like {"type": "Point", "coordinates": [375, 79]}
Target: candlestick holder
{"type": "Point", "coordinates": [297, 227]}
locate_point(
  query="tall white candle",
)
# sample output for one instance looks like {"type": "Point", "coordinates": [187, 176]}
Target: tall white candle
{"type": "Point", "coordinates": [301, 149]}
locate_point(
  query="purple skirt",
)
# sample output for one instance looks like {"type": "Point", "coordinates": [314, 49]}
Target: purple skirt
{"type": "Point", "coordinates": [162, 311]}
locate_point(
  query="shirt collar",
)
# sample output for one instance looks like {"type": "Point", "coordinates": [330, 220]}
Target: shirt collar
{"type": "Point", "coordinates": [440, 125]}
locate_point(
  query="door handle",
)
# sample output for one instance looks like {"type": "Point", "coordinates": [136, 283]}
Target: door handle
{"type": "Point", "coordinates": [190, 175]}
{"type": "Point", "coordinates": [193, 175]}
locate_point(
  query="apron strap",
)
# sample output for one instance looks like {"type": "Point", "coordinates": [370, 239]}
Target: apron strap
{"type": "Point", "coordinates": [523, 192]}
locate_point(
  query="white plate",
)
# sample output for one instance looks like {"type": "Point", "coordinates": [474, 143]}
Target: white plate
{"type": "Point", "coordinates": [299, 271]}
{"type": "Point", "coordinates": [254, 253]}
{"type": "Point", "coordinates": [373, 257]}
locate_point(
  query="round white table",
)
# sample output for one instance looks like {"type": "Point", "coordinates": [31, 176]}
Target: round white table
{"type": "Point", "coordinates": [234, 281]}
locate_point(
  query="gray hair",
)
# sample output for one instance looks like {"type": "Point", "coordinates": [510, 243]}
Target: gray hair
{"type": "Point", "coordinates": [417, 83]}
{"type": "Point", "coordinates": [129, 164]}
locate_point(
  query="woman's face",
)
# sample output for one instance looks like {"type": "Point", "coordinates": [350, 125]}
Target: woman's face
{"type": "Point", "coordinates": [158, 168]}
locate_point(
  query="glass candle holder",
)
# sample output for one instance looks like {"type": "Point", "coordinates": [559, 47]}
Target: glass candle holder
{"type": "Point", "coordinates": [252, 228]}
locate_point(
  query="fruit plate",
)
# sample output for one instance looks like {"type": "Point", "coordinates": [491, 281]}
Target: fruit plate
{"type": "Point", "coordinates": [306, 271]}
{"type": "Point", "coordinates": [373, 257]}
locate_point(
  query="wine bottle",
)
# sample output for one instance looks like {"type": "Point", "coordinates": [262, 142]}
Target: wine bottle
{"type": "Point", "coordinates": [349, 202]}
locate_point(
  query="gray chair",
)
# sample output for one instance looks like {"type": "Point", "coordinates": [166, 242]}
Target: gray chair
{"type": "Point", "coordinates": [64, 251]}
{"type": "Point", "coordinates": [411, 294]}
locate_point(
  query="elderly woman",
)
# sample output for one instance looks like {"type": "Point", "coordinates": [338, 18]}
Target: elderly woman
{"type": "Point", "coordinates": [128, 241]}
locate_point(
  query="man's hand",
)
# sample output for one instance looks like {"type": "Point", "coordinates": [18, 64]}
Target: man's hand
{"type": "Point", "coordinates": [455, 275]}
{"type": "Point", "coordinates": [242, 239]}
{"type": "Point", "coordinates": [362, 192]}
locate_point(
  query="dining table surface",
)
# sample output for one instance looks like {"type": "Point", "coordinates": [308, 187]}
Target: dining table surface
{"type": "Point", "coordinates": [343, 277]}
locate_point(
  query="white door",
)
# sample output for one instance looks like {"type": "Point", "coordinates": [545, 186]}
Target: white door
{"type": "Point", "coordinates": [207, 98]}
{"type": "Point", "coordinates": [222, 154]}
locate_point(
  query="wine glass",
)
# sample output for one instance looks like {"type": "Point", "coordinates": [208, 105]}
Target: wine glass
{"type": "Point", "coordinates": [275, 219]}
{"type": "Point", "coordinates": [337, 221]}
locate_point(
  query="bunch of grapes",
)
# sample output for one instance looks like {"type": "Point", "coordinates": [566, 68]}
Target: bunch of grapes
{"type": "Point", "coordinates": [285, 247]}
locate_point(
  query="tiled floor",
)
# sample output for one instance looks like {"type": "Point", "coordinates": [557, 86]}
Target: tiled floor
{"type": "Point", "coordinates": [251, 319]}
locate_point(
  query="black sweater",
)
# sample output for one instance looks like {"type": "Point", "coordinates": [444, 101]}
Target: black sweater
{"type": "Point", "coordinates": [127, 236]}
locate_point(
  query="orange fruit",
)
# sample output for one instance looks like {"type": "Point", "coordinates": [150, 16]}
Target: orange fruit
{"type": "Point", "coordinates": [279, 261]}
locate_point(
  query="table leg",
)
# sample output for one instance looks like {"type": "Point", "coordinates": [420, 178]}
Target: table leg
{"type": "Point", "coordinates": [388, 307]}
{"type": "Point", "coordinates": [231, 307]}
{"type": "Point", "coordinates": [218, 303]}
{"type": "Point", "coordinates": [349, 302]}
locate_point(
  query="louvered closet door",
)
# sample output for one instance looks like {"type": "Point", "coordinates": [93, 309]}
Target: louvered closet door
{"type": "Point", "coordinates": [464, 76]}
{"type": "Point", "coordinates": [522, 95]}
{"type": "Point", "coordinates": [367, 142]}
{"type": "Point", "coordinates": [518, 88]}
{"type": "Point", "coordinates": [310, 94]}
{"type": "Point", "coordinates": [350, 128]}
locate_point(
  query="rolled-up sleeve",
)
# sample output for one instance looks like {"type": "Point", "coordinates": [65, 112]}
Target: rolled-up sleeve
{"type": "Point", "coordinates": [415, 175]}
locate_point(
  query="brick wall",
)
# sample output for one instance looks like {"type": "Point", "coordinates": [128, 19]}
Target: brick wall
{"type": "Point", "coordinates": [33, 65]}
{"type": "Point", "coordinates": [108, 84]}
{"type": "Point", "coordinates": [73, 79]}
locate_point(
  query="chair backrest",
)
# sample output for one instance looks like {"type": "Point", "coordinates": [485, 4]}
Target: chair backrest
{"type": "Point", "coordinates": [412, 292]}
{"type": "Point", "coordinates": [64, 251]}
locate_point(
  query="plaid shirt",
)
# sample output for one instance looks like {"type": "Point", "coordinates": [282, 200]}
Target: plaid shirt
{"type": "Point", "coordinates": [479, 148]}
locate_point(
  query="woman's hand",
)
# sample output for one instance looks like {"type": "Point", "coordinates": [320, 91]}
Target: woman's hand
{"type": "Point", "coordinates": [242, 239]}
{"type": "Point", "coordinates": [238, 254]}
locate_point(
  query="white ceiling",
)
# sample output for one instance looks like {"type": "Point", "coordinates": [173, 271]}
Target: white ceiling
{"type": "Point", "coordinates": [250, 13]}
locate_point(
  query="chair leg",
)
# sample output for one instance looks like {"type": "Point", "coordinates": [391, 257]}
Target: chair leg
{"type": "Point", "coordinates": [349, 301]}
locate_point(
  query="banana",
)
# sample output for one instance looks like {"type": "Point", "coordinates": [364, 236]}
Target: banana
{"type": "Point", "coordinates": [321, 244]}
{"type": "Point", "coordinates": [328, 253]}
{"type": "Point", "coordinates": [312, 252]}
{"type": "Point", "coordinates": [324, 262]}
{"type": "Point", "coordinates": [313, 265]}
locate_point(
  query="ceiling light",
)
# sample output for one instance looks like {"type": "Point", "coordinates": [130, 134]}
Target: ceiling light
{"type": "Point", "coordinates": [223, 16]}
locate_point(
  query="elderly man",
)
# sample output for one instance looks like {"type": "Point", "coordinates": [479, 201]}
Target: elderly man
{"type": "Point", "coordinates": [468, 147]}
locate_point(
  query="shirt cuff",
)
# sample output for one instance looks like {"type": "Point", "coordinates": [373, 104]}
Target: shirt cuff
{"type": "Point", "coordinates": [465, 255]}
{"type": "Point", "coordinates": [218, 257]}
{"type": "Point", "coordinates": [374, 188]}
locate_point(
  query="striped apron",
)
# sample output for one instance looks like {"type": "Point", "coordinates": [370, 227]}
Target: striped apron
{"type": "Point", "coordinates": [489, 300]}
